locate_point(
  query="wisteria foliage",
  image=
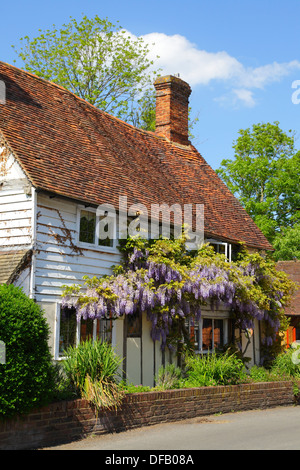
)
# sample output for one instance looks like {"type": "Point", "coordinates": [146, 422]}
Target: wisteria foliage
{"type": "Point", "coordinates": [168, 283]}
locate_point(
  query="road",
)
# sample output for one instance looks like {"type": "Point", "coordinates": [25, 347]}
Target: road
{"type": "Point", "coordinates": [270, 429]}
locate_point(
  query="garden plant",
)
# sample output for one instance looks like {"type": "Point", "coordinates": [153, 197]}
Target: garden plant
{"type": "Point", "coordinates": [27, 377]}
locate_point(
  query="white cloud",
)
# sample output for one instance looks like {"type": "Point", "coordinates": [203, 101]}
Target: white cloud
{"type": "Point", "coordinates": [199, 67]}
{"type": "Point", "coordinates": [237, 97]}
{"type": "Point", "coordinates": [261, 76]}
{"type": "Point", "coordinates": [178, 55]}
{"type": "Point", "coordinates": [245, 96]}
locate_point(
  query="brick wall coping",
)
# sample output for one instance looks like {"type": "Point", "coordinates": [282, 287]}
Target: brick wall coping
{"type": "Point", "coordinates": [67, 421]}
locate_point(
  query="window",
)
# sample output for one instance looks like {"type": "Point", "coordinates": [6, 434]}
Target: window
{"type": "Point", "coordinates": [134, 325]}
{"type": "Point", "coordinates": [221, 247]}
{"type": "Point", "coordinates": [108, 236]}
{"type": "Point", "coordinates": [208, 334]}
{"type": "Point", "coordinates": [297, 333]}
{"type": "Point", "coordinates": [97, 231]}
{"type": "Point", "coordinates": [87, 227]}
{"type": "Point", "coordinates": [68, 328]}
{"type": "Point", "coordinates": [71, 332]}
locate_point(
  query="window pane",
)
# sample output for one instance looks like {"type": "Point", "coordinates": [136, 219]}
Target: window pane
{"type": "Point", "coordinates": [298, 333]}
{"type": "Point", "coordinates": [215, 247]}
{"type": "Point", "coordinates": [87, 227]}
{"type": "Point", "coordinates": [134, 325]}
{"type": "Point", "coordinates": [218, 333]}
{"type": "Point", "coordinates": [222, 249]}
{"type": "Point", "coordinates": [207, 334]}
{"type": "Point", "coordinates": [86, 329]}
{"type": "Point", "coordinates": [106, 242]}
{"type": "Point", "coordinates": [68, 326]}
{"type": "Point", "coordinates": [106, 229]}
{"type": "Point", "coordinates": [104, 330]}
{"type": "Point", "coordinates": [195, 335]}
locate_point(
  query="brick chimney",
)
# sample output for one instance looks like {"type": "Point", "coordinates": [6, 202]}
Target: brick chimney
{"type": "Point", "coordinates": [172, 103]}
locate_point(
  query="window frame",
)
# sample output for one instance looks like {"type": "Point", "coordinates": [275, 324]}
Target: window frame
{"type": "Point", "coordinates": [57, 356]}
{"type": "Point", "coordinates": [95, 245]}
{"type": "Point", "coordinates": [297, 333]}
{"type": "Point", "coordinates": [228, 247]}
{"type": "Point", "coordinates": [199, 323]}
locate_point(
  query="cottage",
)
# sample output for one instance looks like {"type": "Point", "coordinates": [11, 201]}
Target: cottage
{"type": "Point", "coordinates": [60, 159]}
{"type": "Point", "coordinates": [292, 269]}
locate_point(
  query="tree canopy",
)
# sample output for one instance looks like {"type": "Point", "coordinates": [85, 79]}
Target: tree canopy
{"type": "Point", "coordinates": [264, 176]}
{"type": "Point", "coordinates": [99, 62]}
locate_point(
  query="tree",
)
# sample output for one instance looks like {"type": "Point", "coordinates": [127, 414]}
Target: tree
{"type": "Point", "coordinates": [264, 176]}
{"type": "Point", "coordinates": [96, 60]}
{"type": "Point", "coordinates": [287, 244]}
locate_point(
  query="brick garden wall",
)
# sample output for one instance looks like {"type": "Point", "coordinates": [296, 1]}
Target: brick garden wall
{"type": "Point", "coordinates": [67, 421]}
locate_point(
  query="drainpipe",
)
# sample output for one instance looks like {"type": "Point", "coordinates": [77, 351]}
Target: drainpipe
{"type": "Point", "coordinates": [33, 228]}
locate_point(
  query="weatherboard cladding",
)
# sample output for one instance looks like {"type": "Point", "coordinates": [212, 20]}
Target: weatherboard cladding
{"type": "Point", "coordinates": [11, 263]}
{"type": "Point", "coordinates": [68, 147]}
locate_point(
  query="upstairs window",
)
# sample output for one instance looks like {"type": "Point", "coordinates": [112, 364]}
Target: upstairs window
{"type": "Point", "coordinates": [221, 247]}
{"type": "Point", "coordinates": [87, 227]}
{"type": "Point", "coordinates": [96, 231]}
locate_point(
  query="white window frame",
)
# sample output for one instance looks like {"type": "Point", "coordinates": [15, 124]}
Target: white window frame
{"type": "Point", "coordinates": [228, 248]}
{"type": "Point", "coordinates": [200, 349]}
{"type": "Point", "coordinates": [297, 328]}
{"type": "Point", "coordinates": [58, 308]}
{"type": "Point", "coordinates": [95, 246]}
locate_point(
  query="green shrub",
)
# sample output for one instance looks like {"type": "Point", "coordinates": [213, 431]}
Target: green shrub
{"type": "Point", "coordinates": [168, 377]}
{"type": "Point", "coordinates": [287, 363]}
{"type": "Point", "coordinates": [261, 374]}
{"type": "Point", "coordinates": [27, 377]}
{"type": "Point", "coordinates": [214, 369]}
{"type": "Point", "coordinates": [93, 369]}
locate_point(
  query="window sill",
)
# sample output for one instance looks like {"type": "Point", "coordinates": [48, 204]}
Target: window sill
{"type": "Point", "coordinates": [98, 248]}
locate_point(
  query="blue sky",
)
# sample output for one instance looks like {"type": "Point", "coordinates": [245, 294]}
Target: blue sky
{"type": "Point", "coordinates": [240, 57]}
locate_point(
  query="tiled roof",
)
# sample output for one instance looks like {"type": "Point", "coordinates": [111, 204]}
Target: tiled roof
{"type": "Point", "coordinates": [68, 147]}
{"type": "Point", "coordinates": [10, 264]}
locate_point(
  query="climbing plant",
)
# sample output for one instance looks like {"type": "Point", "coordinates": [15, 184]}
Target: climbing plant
{"type": "Point", "coordinates": [169, 283]}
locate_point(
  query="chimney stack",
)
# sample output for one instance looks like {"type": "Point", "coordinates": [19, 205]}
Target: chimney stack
{"type": "Point", "coordinates": [172, 107]}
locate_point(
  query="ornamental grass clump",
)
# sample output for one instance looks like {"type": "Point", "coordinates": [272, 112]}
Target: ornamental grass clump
{"type": "Point", "coordinates": [168, 377]}
{"type": "Point", "coordinates": [93, 369]}
{"type": "Point", "coordinates": [214, 369]}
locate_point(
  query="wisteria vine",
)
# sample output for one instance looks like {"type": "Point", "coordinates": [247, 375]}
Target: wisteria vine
{"type": "Point", "coordinates": [168, 283]}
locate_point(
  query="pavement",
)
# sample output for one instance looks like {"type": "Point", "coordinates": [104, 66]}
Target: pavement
{"type": "Point", "coordinates": [267, 429]}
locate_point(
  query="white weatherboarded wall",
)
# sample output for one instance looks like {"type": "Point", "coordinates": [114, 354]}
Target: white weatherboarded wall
{"type": "Point", "coordinates": [60, 258]}
{"type": "Point", "coordinates": [16, 214]}
{"type": "Point", "coordinates": [15, 204]}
